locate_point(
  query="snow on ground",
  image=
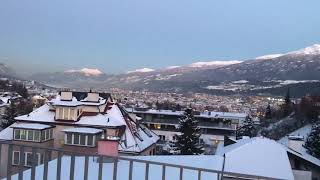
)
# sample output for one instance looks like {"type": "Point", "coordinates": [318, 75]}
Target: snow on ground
{"type": "Point", "coordinates": [286, 82]}
{"type": "Point", "coordinates": [142, 70]}
{"type": "Point", "coordinates": [270, 56]}
{"type": "Point", "coordinates": [172, 67]}
{"type": "Point", "coordinates": [213, 63]}
{"type": "Point", "coordinates": [311, 50]}
{"type": "Point", "coordinates": [240, 82]}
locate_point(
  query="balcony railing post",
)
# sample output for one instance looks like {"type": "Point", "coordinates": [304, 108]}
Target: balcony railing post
{"type": "Point", "coordinates": [199, 175]}
{"type": "Point", "coordinates": [21, 163]}
{"type": "Point", "coordinates": [147, 172]}
{"type": "Point", "coordinates": [59, 165]}
{"type": "Point", "coordinates": [46, 163]}
{"type": "Point", "coordinates": [34, 163]}
{"type": "Point", "coordinates": [181, 174]}
{"type": "Point", "coordinates": [115, 169]}
{"type": "Point", "coordinates": [86, 166]}
{"type": "Point", "coordinates": [163, 172]}
{"type": "Point", "coordinates": [130, 170]}
{"type": "Point", "coordinates": [100, 159]}
{"type": "Point", "coordinates": [9, 163]}
{"type": "Point", "coordinates": [72, 167]}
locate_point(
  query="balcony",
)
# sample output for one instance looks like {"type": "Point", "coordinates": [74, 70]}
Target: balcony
{"type": "Point", "coordinates": [61, 165]}
{"type": "Point", "coordinates": [202, 124]}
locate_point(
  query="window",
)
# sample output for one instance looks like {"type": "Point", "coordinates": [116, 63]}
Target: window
{"type": "Point", "coordinates": [30, 135]}
{"type": "Point", "coordinates": [157, 126]}
{"type": "Point", "coordinates": [43, 136]}
{"type": "Point", "coordinates": [76, 138]}
{"type": "Point", "coordinates": [90, 140]}
{"type": "Point", "coordinates": [46, 134]}
{"type": "Point", "coordinates": [69, 138]}
{"type": "Point", "coordinates": [81, 139]}
{"type": "Point", "coordinates": [163, 138]}
{"type": "Point", "coordinates": [33, 135]}
{"type": "Point", "coordinates": [27, 161]}
{"type": "Point", "coordinates": [16, 157]}
{"type": "Point", "coordinates": [16, 134]}
{"type": "Point", "coordinates": [23, 134]}
{"type": "Point", "coordinates": [37, 136]}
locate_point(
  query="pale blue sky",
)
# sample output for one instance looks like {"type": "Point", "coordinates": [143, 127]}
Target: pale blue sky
{"type": "Point", "coordinates": [121, 35]}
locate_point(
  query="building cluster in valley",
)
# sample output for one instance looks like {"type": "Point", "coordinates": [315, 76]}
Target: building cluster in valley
{"type": "Point", "coordinates": [125, 125]}
{"type": "Point", "coordinates": [256, 105]}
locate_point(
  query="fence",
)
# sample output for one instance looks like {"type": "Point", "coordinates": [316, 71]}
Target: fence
{"type": "Point", "coordinates": [14, 165]}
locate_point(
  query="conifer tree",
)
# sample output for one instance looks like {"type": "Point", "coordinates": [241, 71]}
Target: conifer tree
{"type": "Point", "coordinates": [188, 140]}
{"type": "Point", "coordinates": [313, 141]}
{"type": "Point", "coordinates": [9, 115]}
{"type": "Point", "coordinates": [287, 107]}
{"type": "Point", "coordinates": [248, 129]}
{"type": "Point", "coordinates": [268, 112]}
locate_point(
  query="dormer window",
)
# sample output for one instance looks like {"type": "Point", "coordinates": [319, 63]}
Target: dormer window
{"type": "Point", "coordinates": [67, 113]}
{"type": "Point", "coordinates": [82, 136]}
{"type": "Point", "coordinates": [32, 132]}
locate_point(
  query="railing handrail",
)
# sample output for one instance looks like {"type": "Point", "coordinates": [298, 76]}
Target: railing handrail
{"type": "Point", "coordinates": [132, 159]}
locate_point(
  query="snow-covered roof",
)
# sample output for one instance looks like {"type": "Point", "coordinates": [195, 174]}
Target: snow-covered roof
{"type": "Point", "coordinates": [74, 102]}
{"type": "Point", "coordinates": [35, 126]}
{"type": "Point", "coordinates": [135, 142]}
{"type": "Point", "coordinates": [258, 156]}
{"type": "Point", "coordinates": [302, 132]}
{"type": "Point", "coordinates": [7, 133]}
{"type": "Point", "coordinates": [83, 130]}
{"type": "Point", "coordinates": [43, 114]}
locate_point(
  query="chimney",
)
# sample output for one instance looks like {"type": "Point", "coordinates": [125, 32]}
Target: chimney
{"type": "Point", "coordinates": [295, 143]}
{"type": "Point", "coordinates": [108, 147]}
{"type": "Point", "coordinates": [66, 96]}
{"type": "Point", "coordinates": [93, 97]}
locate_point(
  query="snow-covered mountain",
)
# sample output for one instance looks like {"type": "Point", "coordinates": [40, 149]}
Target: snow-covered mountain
{"type": "Point", "coordinates": [300, 66]}
{"type": "Point", "coordinates": [85, 71]}
{"type": "Point", "coordinates": [6, 71]}
{"type": "Point", "coordinates": [311, 50]}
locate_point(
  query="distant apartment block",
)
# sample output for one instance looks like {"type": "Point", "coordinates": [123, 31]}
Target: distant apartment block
{"type": "Point", "coordinates": [214, 125]}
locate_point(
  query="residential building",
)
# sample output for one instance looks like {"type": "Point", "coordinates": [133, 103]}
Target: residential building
{"type": "Point", "coordinates": [80, 122]}
{"type": "Point", "coordinates": [214, 125]}
{"type": "Point", "coordinates": [303, 164]}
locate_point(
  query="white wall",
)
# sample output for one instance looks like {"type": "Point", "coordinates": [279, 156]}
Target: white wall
{"type": "Point", "coordinates": [208, 139]}
{"type": "Point", "coordinates": [302, 175]}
